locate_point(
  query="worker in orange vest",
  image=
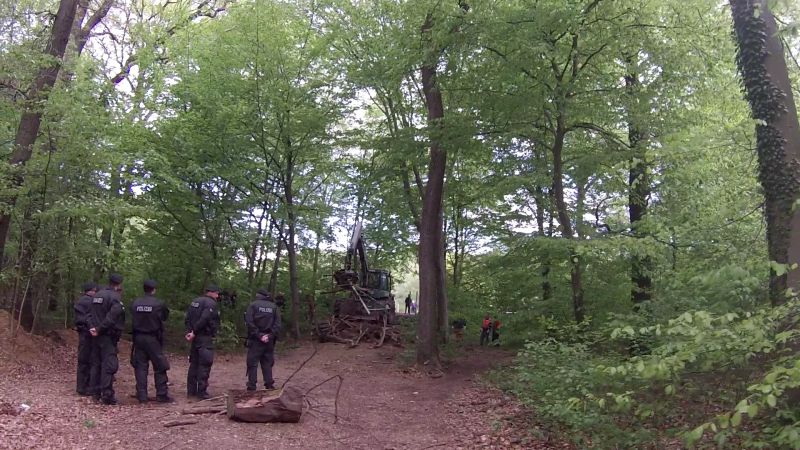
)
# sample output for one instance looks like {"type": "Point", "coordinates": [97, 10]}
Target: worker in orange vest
{"type": "Point", "coordinates": [486, 329]}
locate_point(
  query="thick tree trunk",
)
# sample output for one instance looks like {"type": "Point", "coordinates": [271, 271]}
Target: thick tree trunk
{"type": "Point", "coordinates": [766, 83]}
{"type": "Point", "coordinates": [31, 119]}
{"type": "Point", "coordinates": [431, 272]}
{"type": "Point", "coordinates": [638, 193]}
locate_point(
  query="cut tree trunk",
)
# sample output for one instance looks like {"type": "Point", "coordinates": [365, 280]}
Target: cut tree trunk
{"type": "Point", "coordinates": [282, 405]}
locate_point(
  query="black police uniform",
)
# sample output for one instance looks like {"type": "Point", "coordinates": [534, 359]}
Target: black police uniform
{"type": "Point", "coordinates": [107, 317]}
{"type": "Point", "coordinates": [262, 318]}
{"type": "Point", "coordinates": [202, 319]}
{"type": "Point", "coordinates": [83, 385]}
{"type": "Point", "coordinates": [148, 315]}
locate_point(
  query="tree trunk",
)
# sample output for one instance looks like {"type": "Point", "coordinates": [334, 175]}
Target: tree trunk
{"type": "Point", "coordinates": [564, 219]}
{"type": "Point", "coordinates": [431, 272]}
{"type": "Point", "coordinates": [251, 257]}
{"type": "Point", "coordinates": [31, 120]}
{"type": "Point", "coordinates": [291, 249]}
{"type": "Point", "coordinates": [547, 290]}
{"type": "Point", "coordinates": [273, 278]}
{"type": "Point", "coordinates": [766, 83]}
{"type": "Point", "coordinates": [638, 191]}
{"type": "Point", "coordinates": [24, 310]}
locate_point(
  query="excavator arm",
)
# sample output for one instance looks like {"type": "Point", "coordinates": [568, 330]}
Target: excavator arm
{"type": "Point", "coordinates": [357, 247]}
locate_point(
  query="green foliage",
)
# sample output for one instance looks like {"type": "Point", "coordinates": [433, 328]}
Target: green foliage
{"type": "Point", "coordinates": [190, 142]}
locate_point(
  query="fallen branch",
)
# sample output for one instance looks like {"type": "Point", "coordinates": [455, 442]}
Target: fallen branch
{"type": "Point", "coordinates": [204, 409]}
{"type": "Point", "coordinates": [179, 422]}
{"type": "Point", "coordinates": [301, 365]}
{"type": "Point", "coordinates": [335, 399]}
{"type": "Point", "coordinates": [212, 399]}
{"type": "Point", "coordinates": [165, 446]}
{"type": "Point", "coordinates": [383, 334]}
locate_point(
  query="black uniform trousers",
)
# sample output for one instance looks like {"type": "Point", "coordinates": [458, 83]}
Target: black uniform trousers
{"type": "Point", "coordinates": [201, 358]}
{"type": "Point", "coordinates": [263, 354]}
{"type": "Point", "coordinates": [104, 364]}
{"type": "Point", "coordinates": [84, 382]}
{"type": "Point", "coordinates": [147, 349]}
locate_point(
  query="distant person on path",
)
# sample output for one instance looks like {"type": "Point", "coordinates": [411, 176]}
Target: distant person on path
{"type": "Point", "coordinates": [413, 307]}
{"type": "Point", "coordinates": [408, 304]}
{"type": "Point", "coordinates": [202, 321]}
{"type": "Point", "coordinates": [148, 314]}
{"type": "Point", "coordinates": [83, 386]}
{"type": "Point", "coordinates": [486, 329]}
{"type": "Point", "coordinates": [107, 322]}
{"type": "Point", "coordinates": [263, 324]}
{"type": "Point", "coordinates": [280, 300]}
{"type": "Point", "coordinates": [458, 328]}
{"type": "Point", "coordinates": [495, 333]}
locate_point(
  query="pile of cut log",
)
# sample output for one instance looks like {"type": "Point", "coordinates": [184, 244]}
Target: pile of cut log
{"type": "Point", "coordinates": [283, 405]}
{"type": "Point", "coordinates": [353, 332]}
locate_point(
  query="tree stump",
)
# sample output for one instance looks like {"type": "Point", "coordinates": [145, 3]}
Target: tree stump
{"type": "Point", "coordinates": [281, 405]}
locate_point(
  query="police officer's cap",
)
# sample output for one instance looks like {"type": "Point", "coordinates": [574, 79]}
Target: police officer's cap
{"type": "Point", "coordinates": [263, 292]}
{"type": "Point", "coordinates": [150, 284]}
{"type": "Point", "coordinates": [212, 288]}
{"type": "Point", "coordinates": [90, 286]}
{"type": "Point", "coordinates": [115, 278]}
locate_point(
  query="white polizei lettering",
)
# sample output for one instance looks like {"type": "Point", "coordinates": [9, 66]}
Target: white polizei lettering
{"type": "Point", "coordinates": [144, 309]}
{"type": "Point", "coordinates": [264, 310]}
{"type": "Point", "coordinates": [195, 304]}
{"type": "Point", "coordinates": [97, 300]}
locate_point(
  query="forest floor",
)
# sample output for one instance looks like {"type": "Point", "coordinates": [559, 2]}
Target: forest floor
{"type": "Point", "coordinates": [382, 405]}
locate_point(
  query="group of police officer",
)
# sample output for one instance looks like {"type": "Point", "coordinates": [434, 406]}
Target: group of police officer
{"type": "Point", "coordinates": [100, 321]}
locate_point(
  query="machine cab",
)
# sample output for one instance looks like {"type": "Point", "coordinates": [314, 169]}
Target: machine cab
{"type": "Point", "coordinates": [379, 280]}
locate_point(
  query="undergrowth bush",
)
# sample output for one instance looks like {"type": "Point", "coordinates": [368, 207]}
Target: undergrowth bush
{"type": "Point", "coordinates": [729, 379]}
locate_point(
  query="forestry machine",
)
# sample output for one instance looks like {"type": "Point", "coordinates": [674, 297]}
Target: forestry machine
{"type": "Point", "coordinates": [370, 290]}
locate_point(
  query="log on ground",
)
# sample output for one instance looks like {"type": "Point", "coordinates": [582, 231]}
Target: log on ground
{"type": "Point", "coordinates": [281, 405]}
{"type": "Point", "coordinates": [180, 422]}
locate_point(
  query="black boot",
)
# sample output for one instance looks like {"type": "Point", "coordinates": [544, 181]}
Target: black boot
{"type": "Point", "coordinates": [203, 395]}
{"type": "Point", "coordinates": [111, 401]}
{"type": "Point", "coordinates": [165, 399]}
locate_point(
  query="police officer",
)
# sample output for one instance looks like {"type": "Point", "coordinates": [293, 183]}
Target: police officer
{"type": "Point", "coordinates": [148, 315]}
{"type": "Point", "coordinates": [107, 321]}
{"type": "Point", "coordinates": [83, 386]}
{"type": "Point", "coordinates": [202, 321]}
{"type": "Point", "coordinates": [263, 325]}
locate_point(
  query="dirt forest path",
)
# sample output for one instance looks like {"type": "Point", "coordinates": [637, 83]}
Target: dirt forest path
{"type": "Point", "coordinates": [380, 406]}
